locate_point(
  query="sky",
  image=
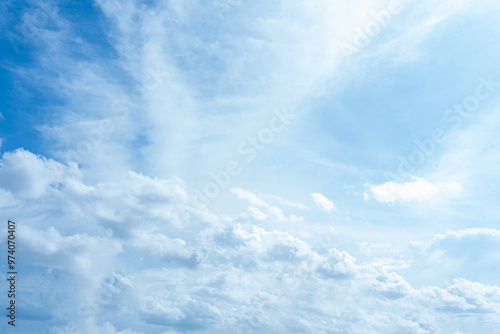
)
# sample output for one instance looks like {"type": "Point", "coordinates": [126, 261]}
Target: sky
{"type": "Point", "coordinates": [232, 166]}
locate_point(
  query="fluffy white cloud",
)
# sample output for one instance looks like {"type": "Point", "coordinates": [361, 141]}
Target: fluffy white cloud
{"type": "Point", "coordinates": [417, 190]}
{"type": "Point", "coordinates": [29, 176]}
{"type": "Point", "coordinates": [155, 262]}
{"type": "Point", "coordinates": [323, 202]}
{"type": "Point", "coordinates": [271, 212]}
{"type": "Point", "coordinates": [149, 268]}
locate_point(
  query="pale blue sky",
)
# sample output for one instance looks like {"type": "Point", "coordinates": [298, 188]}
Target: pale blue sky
{"type": "Point", "coordinates": [227, 166]}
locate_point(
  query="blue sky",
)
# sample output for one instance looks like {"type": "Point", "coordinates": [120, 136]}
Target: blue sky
{"type": "Point", "coordinates": [230, 166]}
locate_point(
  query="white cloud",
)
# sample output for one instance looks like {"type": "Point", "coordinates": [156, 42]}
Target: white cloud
{"type": "Point", "coordinates": [271, 214]}
{"type": "Point", "coordinates": [7, 199]}
{"type": "Point", "coordinates": [277, 214]}
{"type": "Point", "coordinates": [29, 176]}
{"type": "Point", "coordinates": [417, 190]}
{"type": "Point", "coordinates": [371, 248]}
{"type": "Point", "coordinates": [78, 253]}
{"type": "Point", "coordinates": [471, 254]}
{"type": "Point", "coordinates": [419, 26]}
{"type": "Point", "coordinates": [325, 204]}
{"type": "Point", "coordinates": [257, 214]}
{"type": "Point", "coordinates": [267, 211]}
{"type": "Point", "coordinates": [285, 202]}
{"type": "Point", "coordinates": [163, 247]}
{"type": "Point", "coordinates": [223, 275]}
{"type": "Point", "coordinates": [250, 197]}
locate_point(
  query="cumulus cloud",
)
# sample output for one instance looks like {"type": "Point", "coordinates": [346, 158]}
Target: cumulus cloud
{"type": "Point", "coordinates": [7, 199]}
{"type": "Point", "coordinates": [149, 267]}
{"type": "Point", "coordinates": [265, 210]}
{"type": "Point", "coordinates": [250, 275]}
{"type": "Point", "coordinates": [468, 253]}
{"type": "Point", "coordinates": [29, 176]}
{"type": "Point", "coordinates": [419, 189]}
{"type": "Point", "coordinates": [323, 202]}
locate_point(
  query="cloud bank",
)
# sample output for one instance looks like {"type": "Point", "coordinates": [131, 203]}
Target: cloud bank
{"type": "Point", "coordinates": [155, 264]}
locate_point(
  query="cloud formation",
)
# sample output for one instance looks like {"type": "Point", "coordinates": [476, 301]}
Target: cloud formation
{"type": "Point", "coordinates": [323, 202]}
{"type": "Point", "coordinates": [153, 264]}
{"type": "Point", "coordinates": [417, 190]}
{"type": "Point", "coordinates": [138, 103]}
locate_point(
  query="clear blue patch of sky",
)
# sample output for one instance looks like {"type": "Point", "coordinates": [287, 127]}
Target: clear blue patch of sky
{"type": "Point", "coordinates": [24, 104]}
